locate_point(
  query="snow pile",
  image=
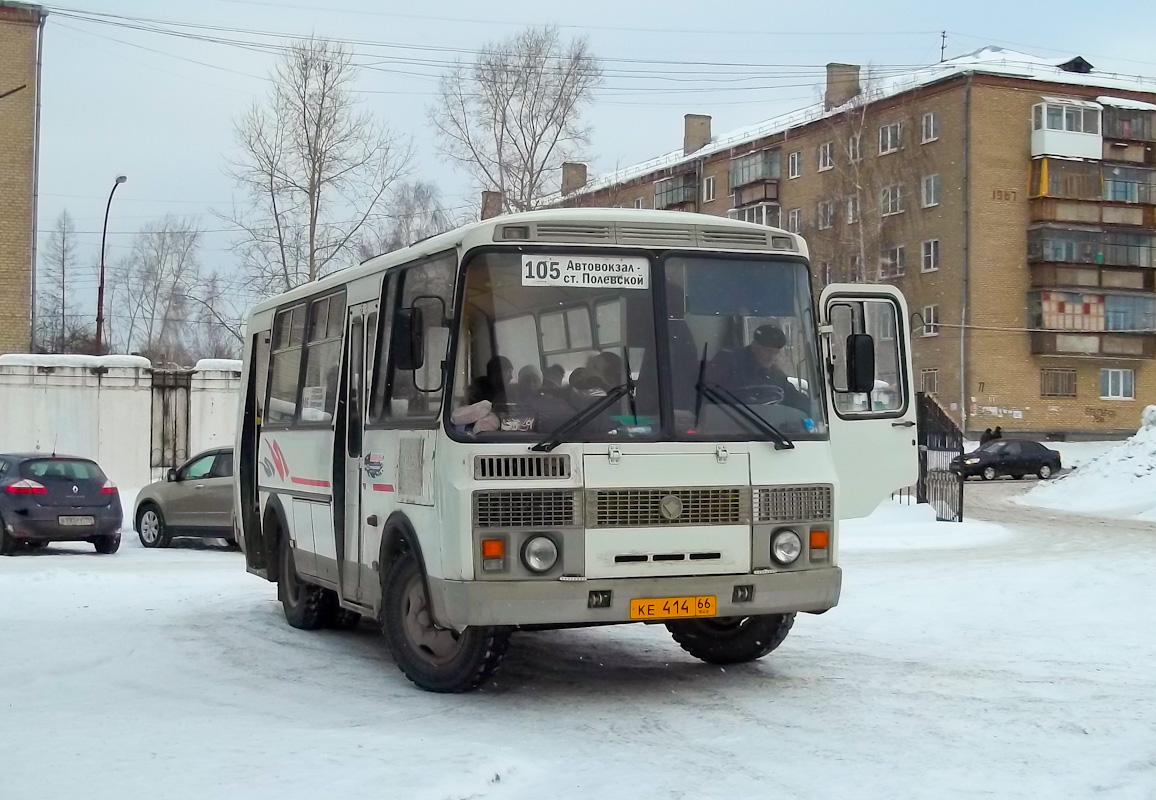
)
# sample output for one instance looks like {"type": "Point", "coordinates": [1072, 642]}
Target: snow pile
{"type": "Point", "coordinates": [57, 360]}
{"type": "Point", "coordinates": [1121, 482]}
{"type": "Point", "coordinates": [218, 365]}
{"type": "Point", "coordinates": [897, 526]}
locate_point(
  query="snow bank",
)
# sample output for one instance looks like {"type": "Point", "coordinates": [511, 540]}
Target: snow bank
{"type": "Point", "coordinates": [218, 364]}
{"type": "Point", "coordinates": [897, 526]}
{"type": "Point", "coordinates": [1120, 482]}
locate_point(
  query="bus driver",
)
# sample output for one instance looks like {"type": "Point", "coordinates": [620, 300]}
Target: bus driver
{"type": "Point", "coordinates": [754, 370]}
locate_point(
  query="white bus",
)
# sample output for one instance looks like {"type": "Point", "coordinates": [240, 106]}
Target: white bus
{"type": "Point", "coordinates": [567, 418]}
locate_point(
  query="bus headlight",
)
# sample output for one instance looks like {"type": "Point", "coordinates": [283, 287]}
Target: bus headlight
{"type": "Point", "coordinates": [540, 554]}
{"type": "Point", "coordinates": [786, 547]}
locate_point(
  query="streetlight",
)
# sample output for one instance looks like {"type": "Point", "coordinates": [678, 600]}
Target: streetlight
{"type": "Point", "coordinates": [100, 291]}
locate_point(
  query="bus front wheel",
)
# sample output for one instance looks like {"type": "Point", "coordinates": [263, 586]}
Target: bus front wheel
{"type": "Point", "coordinates": [307, 607]}
{"type": "Point", "coordinates": [731, 640]}
{"type": "Point", "coordinates": [435, 659]}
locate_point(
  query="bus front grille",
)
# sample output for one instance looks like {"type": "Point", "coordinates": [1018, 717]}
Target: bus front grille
{"type": "Point", "coordinates": [489, 468]}
{"type": "Point", "coordinates": [525, 509]}
{"type": "Point", "coordinates": [793, 503]}
{"type": "Point", "coordinates": [641, 508]}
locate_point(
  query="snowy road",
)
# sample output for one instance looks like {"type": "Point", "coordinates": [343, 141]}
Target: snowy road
{"type": "Point", "coordinates": [1025, 667]}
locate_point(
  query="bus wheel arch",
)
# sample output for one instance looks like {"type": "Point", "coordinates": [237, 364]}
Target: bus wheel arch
{"type": "Point", "coordinates": [274, 525]}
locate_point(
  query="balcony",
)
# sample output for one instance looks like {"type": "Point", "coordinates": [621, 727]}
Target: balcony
{"type": "Point", "coordinates": [762, 167]}
{"type": "Point", "coordinates": [675, 192]}
{"type": "Point", "coordinates": [1091, 247]}
{"type": "Point", "coordinates": [1130, 124]}
{"type": "Point", "coordinates": [1066, 127]}
{"type": "Point", "coordinates": [1093, 345]}
{"type": "Point", "coordinates": [1090, 212]}
{"type": "Point", "coordinates": [1092, 324]}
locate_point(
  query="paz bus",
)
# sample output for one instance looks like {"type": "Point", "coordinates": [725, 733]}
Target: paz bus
{"type": "Point", "coordinates": [568, 418]}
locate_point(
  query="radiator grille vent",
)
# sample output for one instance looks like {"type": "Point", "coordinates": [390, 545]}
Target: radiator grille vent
{"type": "Point", "coordinates": [793, 503]}
{"type": "Point", "coordinates": [554, 232]}
{"type": "Point", "coordinates": [732, 237]}
{"type": "Point", "coordinates": [631, 508]}
{"type": "Point", "coordinates": [491, 468]}
{"type": "Point", "coordinates": [533, 509]}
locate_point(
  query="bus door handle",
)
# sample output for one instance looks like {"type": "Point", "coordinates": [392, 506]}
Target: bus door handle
{"type": "Point", "coordinates": [371, 520]}
{"type": "Point", "coordinates": [904, 424]}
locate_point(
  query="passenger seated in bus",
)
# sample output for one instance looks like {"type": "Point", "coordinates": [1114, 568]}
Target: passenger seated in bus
{"type": "Point", "coordinates": [609, 368]}
{"type": "Point", "coordinates": [493, 385]}
{"type": "Point", "coordinates": [529, 384]}
{"type": "Point", "coordinates": [585, 381]}
{"type": "Point", "coordinates": [752, 373]}
{"type": "Point", "coordinates": [553, 377]}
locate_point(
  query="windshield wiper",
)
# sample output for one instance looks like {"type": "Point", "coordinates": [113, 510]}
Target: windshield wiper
{"type": "Point", "coordinates": [584, 416]}
{"type": "Point", "coordinates": [717, 394]}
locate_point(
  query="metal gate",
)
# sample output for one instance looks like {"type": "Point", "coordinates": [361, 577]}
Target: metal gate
{"type": "Point", "coordinates": [940, 442]}
{"type": "Point", "coordinates": [170, 418]}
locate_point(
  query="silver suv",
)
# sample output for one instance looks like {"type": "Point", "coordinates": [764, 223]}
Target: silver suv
{"type": "Point", "coordinates": [196, 499]}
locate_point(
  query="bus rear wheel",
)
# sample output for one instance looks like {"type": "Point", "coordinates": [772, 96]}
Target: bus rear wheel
{"type": "Point", "coordinates": [307, 607]}
{"type": "Point", "coordinates": [731, 640]}
{"type": "Point", "coordinates": [435, 659]}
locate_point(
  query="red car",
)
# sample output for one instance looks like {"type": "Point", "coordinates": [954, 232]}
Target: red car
{"type": "Point", "coordinates": [56, 499]}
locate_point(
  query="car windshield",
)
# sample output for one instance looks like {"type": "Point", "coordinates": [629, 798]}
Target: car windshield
{"type": "Point", "coordinates": [66, 469]}
{"type": "Point", "coordinates": [546, 336]}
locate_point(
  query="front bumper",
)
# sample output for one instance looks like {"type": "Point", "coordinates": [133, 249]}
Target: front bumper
{"type": "Point", "coordinates": [459, 604]}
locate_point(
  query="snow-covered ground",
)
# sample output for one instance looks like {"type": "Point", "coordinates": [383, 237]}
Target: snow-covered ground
{"type": "Point", "coordinates": [1020, 662]}
{"type": "Point", "coordinates": [1120, 482]}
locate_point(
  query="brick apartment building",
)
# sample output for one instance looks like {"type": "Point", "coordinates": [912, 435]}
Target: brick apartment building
{"type": "Point", "coordinates": [1011, 198]}
{"type": "Point", "coordinates": [21, 30]}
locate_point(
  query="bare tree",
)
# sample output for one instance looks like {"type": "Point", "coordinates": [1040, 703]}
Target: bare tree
{"type": "Point", "coordinates": [53, 305]}
{"type": "Point", "coordinates": [413, 212]}
{"type": "Point", "coordinates": [150, 289]}
{"type": "Point", "coordinates": [312, 166]}
{"type": "Point", "coordinates": [514, 116]}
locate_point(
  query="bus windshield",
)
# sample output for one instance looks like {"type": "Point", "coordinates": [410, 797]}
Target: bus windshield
{"type": "Point", "coordinates": [547, 336]}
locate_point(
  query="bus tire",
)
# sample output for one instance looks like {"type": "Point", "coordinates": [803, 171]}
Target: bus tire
{"type": "Point", "coordinates": [307, 607]}
{"type": "Point", "coordinates": [434, 659]}
{"type": "Point", "coordinates": [731, 640]}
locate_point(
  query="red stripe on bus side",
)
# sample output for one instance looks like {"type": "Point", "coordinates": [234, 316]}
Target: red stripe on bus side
{"type": "Point", "coordinates": [383, 487]}
{"type": "Point", "coordinates": [310, 482]}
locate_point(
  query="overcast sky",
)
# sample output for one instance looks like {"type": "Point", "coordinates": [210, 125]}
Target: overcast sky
{"type": "Point", "coordinates": [159, 108]}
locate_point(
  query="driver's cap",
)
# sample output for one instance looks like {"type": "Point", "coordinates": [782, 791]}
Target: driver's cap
{"type": "Point", "coordinates": [769, 336]}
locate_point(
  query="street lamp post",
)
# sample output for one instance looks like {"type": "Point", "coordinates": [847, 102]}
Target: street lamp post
{"type": "Point", "coordinates": [100, 291]}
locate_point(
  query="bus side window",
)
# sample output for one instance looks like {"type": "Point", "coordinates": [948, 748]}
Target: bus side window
{"type": "Point", "coordinates": [417, 394]}
{"type": "Point", "coordinates": [285, 367]}
{"type": "Point", "coordinates": [261, 363]}
{"type": "Point", "coordinates": [379, 333]}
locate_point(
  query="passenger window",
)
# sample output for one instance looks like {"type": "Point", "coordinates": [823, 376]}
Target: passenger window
{"type": "Point", "coordinates": [322, 358]}
{"type": "Point", "coordinates": [223, 466]}
{"type": "Point", "coordinates": [380, 351]}
{"type": "Point", "coordinates": [285, 367]}
{"type": "Point", "coordinates": [428, 288]}
{"type": "Point", "coordinates": [260, 358]}
{"type": "Point", "coordinates": [879, 318]}
{"type": "Point", "coordinates": [198, 469]}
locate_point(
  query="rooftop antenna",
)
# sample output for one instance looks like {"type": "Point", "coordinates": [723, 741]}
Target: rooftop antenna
{"type": "Point", "coordinates": [942, 45]}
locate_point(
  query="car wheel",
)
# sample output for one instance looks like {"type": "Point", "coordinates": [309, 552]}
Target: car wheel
{"type": "Point", "coordinates": [107, 545]}
{"type": "Point", "coordinates": [1045, 472]}
{"type": "Point", "coordinates": [731, 640]}
{"type": "Point", "coordinates": [8, 543]}
{"type": "Point", "coordinates": [150, 527]}
{"type": "Point", "coordinates": [435, 659]}
{"type": "Point", "coordinates": [989, 473]}
{"type": "Point", "coordinates": [306, 606]}
{"type": "Point", "coordinates": [37, 545]}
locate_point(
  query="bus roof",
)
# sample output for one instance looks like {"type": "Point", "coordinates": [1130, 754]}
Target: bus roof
{"type": "Point", "coordinates": [605, 227]}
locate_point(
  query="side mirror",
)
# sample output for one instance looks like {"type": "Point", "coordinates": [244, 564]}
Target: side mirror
{"type": "Point", "coordinates": [860, 363]}
{"type": "Point", "coordinates": [171, 476]}
{"type": "Point", "coordinates": [408, 339]}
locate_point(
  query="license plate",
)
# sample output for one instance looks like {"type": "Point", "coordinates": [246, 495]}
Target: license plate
{"type": "Point", "coordinates": [77, 521]}
{"type": "Point", "coordinates": [672, 607]}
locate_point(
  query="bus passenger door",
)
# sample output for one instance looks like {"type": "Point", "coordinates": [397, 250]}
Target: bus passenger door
{"type": "Point", "coordinates": [354, 439]}
{"type": "Point", "coordinates": [867, 352]}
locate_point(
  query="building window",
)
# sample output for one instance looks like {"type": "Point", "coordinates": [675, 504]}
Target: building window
{"type": "Point", "coordinates": [761, 214]}
{"type": "Point", "coordinates": [795, 220]}
{"type": "Point", "coordinates": [930, 255]}
{"type": "Point", "coordinates": [825, 272]}
{"type": "Point", "coordinates": [826, 214]}
{"type": "Point", "coordinates": [708, 189]}
{"type": "Point", "coordinates": [640, 202]}
{"type": "Point", "coordinates": [930, 191]}
{"type": "Point", "coordinates": [1117, 384]}
{"type": "Point", "coordinates": [852, 209]}
{"type": "Point", "coordinates": [890, 138]}
{"type": "Point", "coordinates": [930, 127]}
{"type": "Point", "coordinates": [854, 150]}
{"type": "Point", "coordinates": [826, 156]}
{"type": "Point", "coordinates": [929, 381]}
{"type": "Point", "coordinates": [891, 201]}
{"type": "Point", "coordinates": [1057, 383]}
{"type": "Point", "coordinates": [893, 262]}
{"type": "Point", "coordinates": [857, 275]}
{"type": "Point", "coordinates": [1065, 117]}
{"type": "Point", "coordinates": [931, 320]}
{"type": "Point", "coordinates": [795, 164]}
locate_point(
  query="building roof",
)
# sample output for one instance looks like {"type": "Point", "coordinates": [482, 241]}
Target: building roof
{"type": "Point", "coordinates": [986, 61]}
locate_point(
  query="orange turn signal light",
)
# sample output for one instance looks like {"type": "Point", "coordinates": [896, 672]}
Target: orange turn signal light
{"type": "Point", "coordinates": [493, 548]}
{"type": "Point", "coordinates": [819, 539]}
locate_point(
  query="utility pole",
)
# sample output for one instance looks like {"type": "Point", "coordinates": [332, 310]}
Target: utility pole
{"type": "Point", "coordinates": [942, 45]}
{"type": "Point", "coordinates": [100, 290]}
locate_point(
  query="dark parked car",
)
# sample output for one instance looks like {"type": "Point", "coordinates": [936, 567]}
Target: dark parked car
{"type": "Point", "coordinates": [196, 499]}
{"type": "Point", "coordinates": [1015, 457]}
{"type": "Point", "coordinates": [56, 499]}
